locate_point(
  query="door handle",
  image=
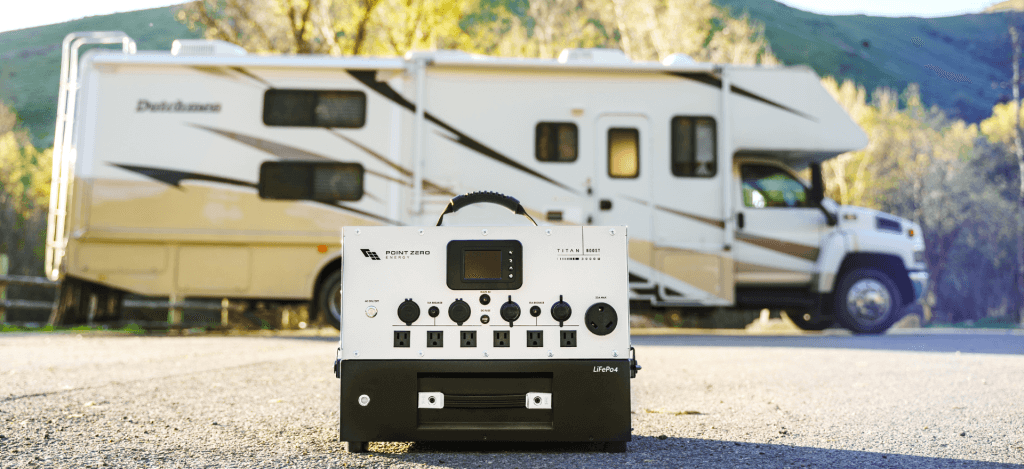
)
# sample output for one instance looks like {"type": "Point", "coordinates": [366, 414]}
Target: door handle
{"type": "Point", "coordinates": [606, 204]}
{"type": "Point", "coordinates": [739, 220]}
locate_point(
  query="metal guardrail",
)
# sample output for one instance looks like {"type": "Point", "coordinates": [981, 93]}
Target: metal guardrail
{"type": "Point", "coordinates": [5, 303]}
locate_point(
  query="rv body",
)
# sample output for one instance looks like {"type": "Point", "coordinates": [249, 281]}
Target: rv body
{"type": "Point", "coordinates": [157, 178]}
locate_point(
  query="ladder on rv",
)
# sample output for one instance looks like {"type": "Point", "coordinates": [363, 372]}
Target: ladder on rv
{"type": "Point", "coordinates": [57, 227]}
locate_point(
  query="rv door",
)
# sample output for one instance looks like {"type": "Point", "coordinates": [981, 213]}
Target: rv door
{"type": "Point", "coordinates": [622, 191]}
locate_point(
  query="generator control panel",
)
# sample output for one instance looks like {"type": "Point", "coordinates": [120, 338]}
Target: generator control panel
{"type": "Point", "coordinates": [484, 293]}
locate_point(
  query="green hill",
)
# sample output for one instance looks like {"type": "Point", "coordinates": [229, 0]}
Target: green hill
{"type": "Point", "coordinates": [962, 62]}
{"type": "Point", "coordinates": [30, 60]}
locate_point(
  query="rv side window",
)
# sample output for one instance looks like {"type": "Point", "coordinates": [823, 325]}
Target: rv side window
{"type": "Point", "coordinates": [768, 186]}
{"type": "Point", "coordinates": [623, 153]}
{"type": "Point", "coordinates": [693, 147]}
{"type": "Point", "coordinates": [311, 180]}
{"type": "Point", "coordinates": [314, 108]}
{"type": "Point", "coordinates": [556, 141]}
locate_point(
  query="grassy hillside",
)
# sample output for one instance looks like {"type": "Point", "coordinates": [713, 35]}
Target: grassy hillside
{"type": "Point", "coordinates": [962, 62]}
{"type": "Point", "coordinates": [30, 60]}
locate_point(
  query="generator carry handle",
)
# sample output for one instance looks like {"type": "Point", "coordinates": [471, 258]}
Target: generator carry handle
{"type": "Point", "coordinates": [463, 200]}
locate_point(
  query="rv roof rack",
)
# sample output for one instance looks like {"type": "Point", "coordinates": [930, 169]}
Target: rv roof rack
{"type": "Point", "coordinates": [205, 47]}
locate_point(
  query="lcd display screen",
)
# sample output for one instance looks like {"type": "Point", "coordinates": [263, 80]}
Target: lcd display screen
{"type": "Point", "coordinates": [481, 265]}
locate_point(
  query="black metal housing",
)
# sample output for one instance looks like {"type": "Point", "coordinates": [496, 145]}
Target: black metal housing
{"type": "Point", "coordinates": [590, 400]}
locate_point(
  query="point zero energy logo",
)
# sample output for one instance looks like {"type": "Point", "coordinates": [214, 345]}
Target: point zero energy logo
{"type": "Point", "coordinates": [370, 254]}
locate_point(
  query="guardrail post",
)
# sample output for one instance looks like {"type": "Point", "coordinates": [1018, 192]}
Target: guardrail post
{"type": "Point", "coordinates": [174, 316]}
{"type": "Point", "coordinates": [224, 303]}
{"type": "Point", "coordinates": [4, 265]}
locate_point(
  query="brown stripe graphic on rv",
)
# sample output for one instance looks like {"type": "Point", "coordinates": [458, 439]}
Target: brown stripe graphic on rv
{"type": "Point", "coordinates": [792, 249]}
{"type": "Point", "coordinates": [253, 76]}
{"type": "Point", "coordinates": [711, 80]}
{"type": "Point", "coordinates": [368, 78]}
{"type": "Point", "coordinates": [429, 186]}
{"type": "Point", "coordinates": [709, 221]}
{"type": "Point", "coordinates": [291, 153]}
{"type": "Point", "coordinates": [174, 178]}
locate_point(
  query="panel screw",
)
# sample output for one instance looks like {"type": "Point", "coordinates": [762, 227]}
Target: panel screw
{"type": "Point", "coordinates": [355, 354]}
{"type": "Point", "coordinates": [611, 231]}
{"type": "Point", "coordinates": [364, 400]}
{"type": "Point", "coordinates": [420, 353]}
{"type": "Point", "coordinates": [483, 231]}
{"type": "Point", "coordinates": [547, 232]}
{"type": "Point", "coordinates": [421, 231]}
{"type": "Point", "coordinates": [358, 231]}
{"type": "Point", "coordinates": [615, 353]}
{"type": "Point", "coordinates": [550, 353]}
{"type": "Point", "coordinates": [485, 355]}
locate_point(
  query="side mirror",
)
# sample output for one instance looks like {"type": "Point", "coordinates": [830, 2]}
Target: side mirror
{"type": "Point", "coordinates": [817, 193]}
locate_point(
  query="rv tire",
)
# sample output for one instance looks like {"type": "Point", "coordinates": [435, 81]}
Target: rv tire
{"type": "Point", "coordinates": [328, 299]}
{"type": "Point", "coordinates": [867, 301]}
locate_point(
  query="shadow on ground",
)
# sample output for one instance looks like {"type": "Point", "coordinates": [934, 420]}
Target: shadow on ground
{"type": "Point", "coordinates": [661, 451]}
{"type": "Point", "coordinates": [995, 343]}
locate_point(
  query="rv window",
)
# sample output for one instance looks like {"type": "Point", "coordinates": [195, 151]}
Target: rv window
{"type": "Point", "coordinates": [556, 141]}
{"type": "Point", "coordinates": [623, 153]}
{"type": "Point", "coordinates": [769, 186]}
{"type": "Point", "coordinates": [305, 180]}
{"type": "Point", "coordinates": [311, 108]}
{"type": "Point", "coordinates": [693, 147]}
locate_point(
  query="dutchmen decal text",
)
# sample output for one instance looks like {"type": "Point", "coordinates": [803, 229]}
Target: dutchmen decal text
{"type": "Point", "coordinates": [176, 106]}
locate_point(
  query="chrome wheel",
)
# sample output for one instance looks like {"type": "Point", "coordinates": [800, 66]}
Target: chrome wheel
{"type": "Point", "coordinates": [868, 301]}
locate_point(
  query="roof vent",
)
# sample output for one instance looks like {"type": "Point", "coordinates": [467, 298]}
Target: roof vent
{"type": "Point", "coordinates": [596, 56]}
{"type": "Point", "coordinates": [204, 47]}
{"type": "Point", "coordinates": [678, 60]}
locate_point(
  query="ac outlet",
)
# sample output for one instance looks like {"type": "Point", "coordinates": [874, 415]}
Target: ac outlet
{"type": "Point", "coordinates": [467, 338]}
{"type": "Point", "coordinates": [567, 338]}
{"type": "Point", "coordinates": [435, 338]}
{"type": "Point", "coordinates": [401, 338]}
{"type": "Point", "coordinates": [501, 339]}
{"type": "Point", "coordinates": [534, 338]}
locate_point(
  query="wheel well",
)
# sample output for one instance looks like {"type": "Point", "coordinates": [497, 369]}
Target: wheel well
{"type": "Point", "coordinates": [331, 267]}
{"type": "Point", "coordinates": [887, 263]}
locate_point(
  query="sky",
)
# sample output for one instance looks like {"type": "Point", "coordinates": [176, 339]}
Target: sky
{"type": "Point", "coordinates": [27, 14]}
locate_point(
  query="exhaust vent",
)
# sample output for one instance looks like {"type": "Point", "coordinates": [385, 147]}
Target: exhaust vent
{"type": "Point", "coordinates": [202, 47]}
{"type": "Point", "coordinates": [594, 56]}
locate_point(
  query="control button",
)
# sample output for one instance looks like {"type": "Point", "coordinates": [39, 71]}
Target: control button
{"type": "Point", "coordinates": [371, 311]}
{"type": "Point", "coordinates": [510, 311]}
{"type": "Point", "coordinates": [459, 311]}
{"type": "Point", "coordinates": [433, 311]}
{"type": "Point", "coordinates": [535, 311]}
{"type": "Point", "coordinates": [561, 311]}
{"type": "Point", "coordinates": [601, 319]}
{"type": "Point", "coordinates": [485, 299]}
{"type": "Point", "coordinates": [408, 311]}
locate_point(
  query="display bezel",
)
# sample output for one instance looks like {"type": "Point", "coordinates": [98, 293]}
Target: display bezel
{"type": "Point", "coordinates": [511, 254]}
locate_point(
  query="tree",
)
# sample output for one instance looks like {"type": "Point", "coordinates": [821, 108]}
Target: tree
{"type": "Point", "coordinates": [336, 27]}
{"type": "Point", "coordinates": [24, 196]}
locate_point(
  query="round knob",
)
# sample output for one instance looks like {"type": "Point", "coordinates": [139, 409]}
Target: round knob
{"type": "Point", "coordinates": [433, 311]}
{"type": "Point", "coordinates": [561, 311]}
{"type": "Point", "coordinates": [601, 318]}
{"type": "Point", "coordinates": [408, 312]}
{"type": "Point", "coordinates": [459, 311]}
{"type": "Point", "coordinates": [510, 310]}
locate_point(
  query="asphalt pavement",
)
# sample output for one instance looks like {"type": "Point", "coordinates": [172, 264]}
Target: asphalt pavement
{"type": "Point", "coordinates": [906, 399]}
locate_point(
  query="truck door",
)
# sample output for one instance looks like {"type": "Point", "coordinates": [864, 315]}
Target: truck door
{"type": "Point", "coordinates": [778, 230]}
{"type": "Point", "coordinates": [622, 189]}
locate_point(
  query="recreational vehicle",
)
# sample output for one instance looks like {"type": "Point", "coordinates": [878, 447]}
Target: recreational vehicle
{"type": "Point", "coordinates": [208, 172]}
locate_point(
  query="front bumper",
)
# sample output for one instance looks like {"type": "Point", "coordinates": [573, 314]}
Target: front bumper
{"type": "Point", "coordinates": [919, 279]}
